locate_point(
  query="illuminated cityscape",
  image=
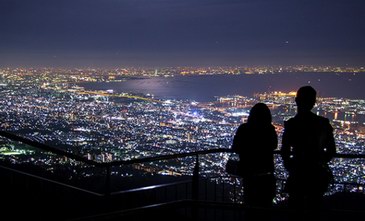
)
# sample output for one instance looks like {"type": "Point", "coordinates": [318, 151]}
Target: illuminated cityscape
{"type": "Point", "coordinates": [127, 109]}
{"type": "Point", "coordinates": [49, 106]}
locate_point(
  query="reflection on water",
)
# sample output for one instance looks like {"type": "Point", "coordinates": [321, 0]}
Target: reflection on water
{"type": "Point", "coordinates": [205, 88]}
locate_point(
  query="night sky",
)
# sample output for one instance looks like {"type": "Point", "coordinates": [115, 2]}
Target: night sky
{"type": "Point", "coordinates": [158, 33]}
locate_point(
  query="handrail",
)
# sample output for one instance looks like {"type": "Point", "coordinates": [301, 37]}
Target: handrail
{"type": "Point", "coordinates": [201, 152]}
{"type": "Point", "coordinates": [195, 181]}
{"type": "Point", "coordinates": [58, 151]}
{"type": "Point", "coordinates": [108, 165]}
{"type": "Point", "coordinates": [121, 213]}
{"type": "Point", "coordinates": [151, 187]}
{"type": "Point", "coordinates": [96, 193]}
{"type": "Point", "coordinates": [168, 157]}
{"type": "Point", "coordinates": [351, 156]}
{"type": "Point", "coordinates": [45, 147]}
{"type": "Point", "coordinates": [283, 211]}
{"type": "Point", "coordinates": [140, 160]}
{"type": "Point", "coordinates": [52, 181]}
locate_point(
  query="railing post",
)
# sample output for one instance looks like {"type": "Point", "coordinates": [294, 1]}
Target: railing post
{"type": "Point", "coordinates": [107, 180]}
{"type": "Point", "coordinates": [195, 184]}
{"type": "Point", "coordinates": [195, 188]}
{"type": "Point", "coordinates": [235, 191]}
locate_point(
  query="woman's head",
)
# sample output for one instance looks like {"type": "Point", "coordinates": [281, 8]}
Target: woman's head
{"type": "Point", "coordinates": [259, 114]}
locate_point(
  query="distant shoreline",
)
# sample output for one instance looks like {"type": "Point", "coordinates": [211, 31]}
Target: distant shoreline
{"type": "Point", "coordinates": [207, 87]}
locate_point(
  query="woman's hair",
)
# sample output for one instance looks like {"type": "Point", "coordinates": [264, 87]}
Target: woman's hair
{"type": "Point", "coordinates": [260, 114]}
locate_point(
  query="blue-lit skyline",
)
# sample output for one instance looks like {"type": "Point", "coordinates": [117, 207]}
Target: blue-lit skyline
{"type": "Point", "coordinates": [50, 106]}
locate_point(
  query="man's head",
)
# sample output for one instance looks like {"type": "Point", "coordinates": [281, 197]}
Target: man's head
{"type": "Point", "coordinates": [306, 98]}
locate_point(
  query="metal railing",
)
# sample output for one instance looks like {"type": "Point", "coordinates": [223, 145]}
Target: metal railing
{"type": "Point", "coordinates": [107, 166]}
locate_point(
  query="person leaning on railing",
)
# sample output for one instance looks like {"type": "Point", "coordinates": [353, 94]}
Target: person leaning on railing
{"type": "Point", "coordinates": [307, 147]}
{"type": "Point", "coordinates": [254, 142]}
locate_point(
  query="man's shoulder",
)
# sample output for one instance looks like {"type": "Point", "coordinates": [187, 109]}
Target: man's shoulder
{"type": "Point", "coordinates": [313, 119]}
{"type": "Point", "coordinates": [320, 118]}
{"type": "Point", "coordinates": [289, 122]}
{"type": "Point", "coordinates": [307, 117]}
{"type": "Point", "coordinates": [323, 119]}
{"type": "Point", "coordinates": [242, 127]}
{"type": "Point", "coordinates": [325, 123]}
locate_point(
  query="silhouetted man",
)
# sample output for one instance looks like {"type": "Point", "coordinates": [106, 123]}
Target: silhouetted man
{"type": "Point", "coordinates": [307, 147]}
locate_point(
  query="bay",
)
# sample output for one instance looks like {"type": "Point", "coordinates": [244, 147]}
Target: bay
{"type": "Point", "coordinates": [204, 88]}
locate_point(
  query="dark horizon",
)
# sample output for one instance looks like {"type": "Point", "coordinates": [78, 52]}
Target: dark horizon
{"type": "Point", "coordinates": [346, 68]}
{"type": "Point", "coordinates": [165, 33]}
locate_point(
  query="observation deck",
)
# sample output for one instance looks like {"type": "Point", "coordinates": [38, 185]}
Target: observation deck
{"type": "Point", "coordinates": [64, 186]}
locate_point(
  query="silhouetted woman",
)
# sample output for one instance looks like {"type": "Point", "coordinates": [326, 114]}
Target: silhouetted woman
{"type": "Point", "coordinates": [254, 142]}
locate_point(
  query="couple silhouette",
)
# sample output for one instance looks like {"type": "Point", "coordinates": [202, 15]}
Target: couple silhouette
{"type": "Point", "coordinates": [307, 147]}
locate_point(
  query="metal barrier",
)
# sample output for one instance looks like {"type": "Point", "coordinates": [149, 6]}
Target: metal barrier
{"type": "Point", "coordinates": [195, 182]}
